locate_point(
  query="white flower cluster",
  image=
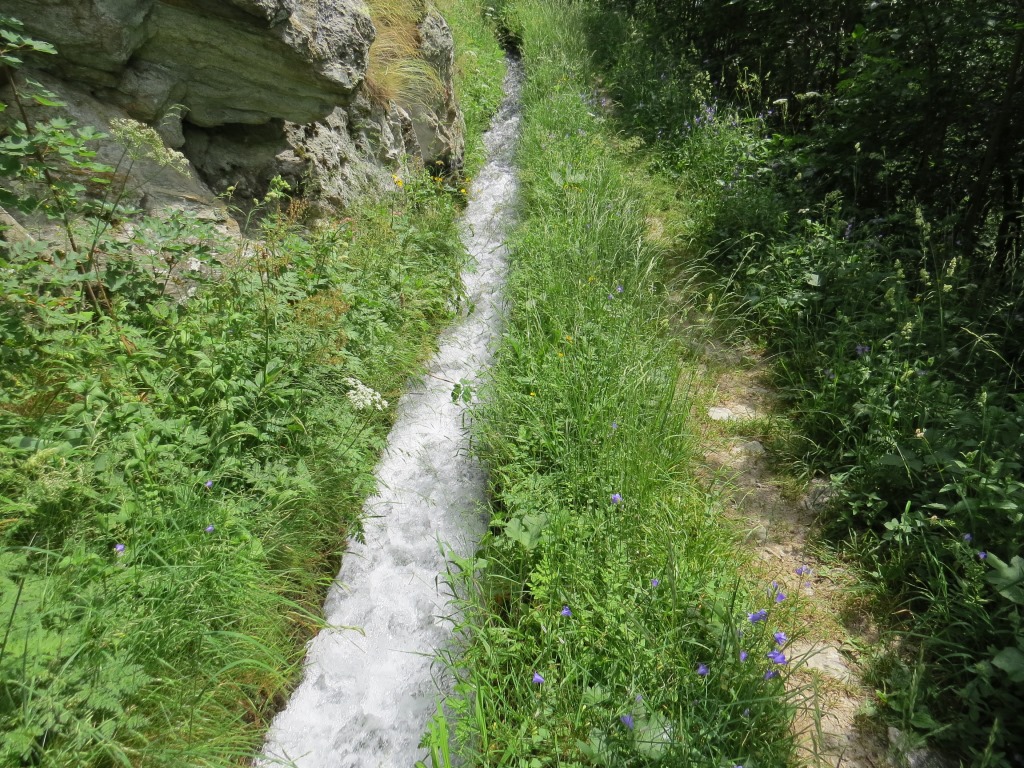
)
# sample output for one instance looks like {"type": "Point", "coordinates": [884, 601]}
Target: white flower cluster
{"type": "Point", "coordinates": [362, 397]}
{"type": "Point", "coordinates": [140, 140]}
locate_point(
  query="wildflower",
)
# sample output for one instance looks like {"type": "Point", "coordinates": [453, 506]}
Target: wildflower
{"type": "Point", "coordinates": [828, 374]}
{"type": "Point", "coordinates": [757, 616]}
{"type": "Point", "coordinates": [537, 678]}
{"type": "Point", "coordinates": [209, 528]}
{"type": "Point", "coordinates": [702, 670]}
{"type": "Point", "coordinates": [462, 191]}
{"type": "Point", "coordinates": [968, 538]}
{"type": "Point", "coordinates": [208, 484]}
{"type": "Point", "coordinates": [919, 433]}
{"type": "Point", "coordinates": [362, 397]}
{"type": "Point", "coordinates": [982, 555]}
{"type": "Point", "coordinates": [143, 141]}
{"type": "Point", "coordinates": [780, 638]}
{"type": "Point", "coordinates": [533, 394]}
{"type": "Point", "coordinates": [861, 349]}
{"type": "Point", "coordinates": [770, 674]}
{"type": "Point", "coordinates": [775, 586]}
{"type": "Point", "coordinates": [615, 425]}
{"type": "Point", "coordinates": [610, 296]}
{"type": "Point", "coordinates": [780, 597]}
{"type": "Point", "coordinates": [743, 655]}
{"type": "Point", "coordinates": [802, 570]}
{"type": "Point", "coordinates": [616, 498]}
{"type": "Point", "coordinates": [777, 657]}
{"type": "Point", "coordinates": [569, 339]}
{"type": "Point", "coordinates": [398, 182]}
{"type": "Point", "coordinates": [746, 712]}
{"type": "Point", "coordinates": [627, 720]}
{"type": "Point", "coordinates": [566, 611]}
{"type": "Point", "coordinates": [655, 582]}
{"type": "Point", "coordinates": [119, 549]}
{"type": "Point", "coordinates": [619, 289]}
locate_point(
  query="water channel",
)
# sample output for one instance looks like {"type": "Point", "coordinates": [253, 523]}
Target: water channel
{"type": "Point", "coordinates": [370, 684]}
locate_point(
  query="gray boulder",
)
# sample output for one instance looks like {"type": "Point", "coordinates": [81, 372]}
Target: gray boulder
{"type": "Point", "coordinates": [223, 61]}
{"type": "Point", "coordinates": [249, 89]}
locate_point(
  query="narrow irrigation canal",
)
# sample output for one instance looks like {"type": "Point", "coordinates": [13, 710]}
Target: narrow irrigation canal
{"type": "Point", "coordinates": [369, 687]}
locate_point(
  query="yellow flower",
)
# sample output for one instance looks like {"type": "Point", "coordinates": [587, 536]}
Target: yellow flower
{"type": "Point", "coordinates": [569, 339]}
{"type": "Point", "coordinates": [533, 394]}
{"type": "Point", "coordinates": [560, 354]}
{"type": "Point", "coordinates": [463, 190]}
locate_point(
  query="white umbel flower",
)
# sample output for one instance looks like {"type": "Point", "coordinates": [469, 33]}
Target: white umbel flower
{"type": "Point", "coordinates": [362, 397]}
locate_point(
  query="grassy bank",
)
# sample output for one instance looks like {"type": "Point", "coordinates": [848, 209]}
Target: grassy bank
{"type": "Point", "coordinates": [605, 621]}
{"type": "Point", "coordinates": [894, 337]}
{"type": "Point", "coordinates": [177, 478]}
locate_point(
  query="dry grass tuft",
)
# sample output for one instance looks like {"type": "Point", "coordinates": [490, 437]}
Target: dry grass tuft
{"type": "Point", "coordinates": [396, 71]}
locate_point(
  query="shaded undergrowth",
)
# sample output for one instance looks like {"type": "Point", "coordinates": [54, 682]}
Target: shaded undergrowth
{"type": "Point", "coordinates": [894, 337]}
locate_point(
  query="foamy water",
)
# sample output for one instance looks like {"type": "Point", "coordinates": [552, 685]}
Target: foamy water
{"type": "Point", "coordinates": [370, 684]}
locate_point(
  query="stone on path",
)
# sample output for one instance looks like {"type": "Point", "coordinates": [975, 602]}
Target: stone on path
{"type": "Point", "coordinates": [747, 448]}
{"type": "Point", "coordinates": [825, 659]}
{"type": "Point", "coordinates": [731, 413]}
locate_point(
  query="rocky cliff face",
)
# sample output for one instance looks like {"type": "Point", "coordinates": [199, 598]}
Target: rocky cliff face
{"type": "Point", "coordinates": [247, 89]}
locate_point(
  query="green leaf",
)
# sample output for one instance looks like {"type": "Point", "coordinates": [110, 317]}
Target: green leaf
{"type": "Point", "coordinates": [653, 736]}
{"type": "Point", "coordinates": [527, 530]}
{"type": "Point", "coordinates": [1011, 661]}
{"type": "Point", "coordinates": [38, 98]}
{"type": "Point", "coordinates": [1008, 579]}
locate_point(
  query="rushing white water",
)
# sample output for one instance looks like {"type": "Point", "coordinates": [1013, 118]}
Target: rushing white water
{"type": "Point", "coordinates": [369, 688]}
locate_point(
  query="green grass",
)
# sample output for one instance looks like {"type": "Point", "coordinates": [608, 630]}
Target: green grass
{"type": "Point", "coordinates": [595, 509]}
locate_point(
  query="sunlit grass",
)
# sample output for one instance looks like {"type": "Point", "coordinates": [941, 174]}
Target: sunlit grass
{"type": "Point", "coordinates": [604, 616]}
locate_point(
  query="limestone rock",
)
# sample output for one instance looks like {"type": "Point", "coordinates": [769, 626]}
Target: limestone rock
{"type": "Point", "coordinates": [826, 659]}
{"type": "Point", "coordinates": [440, 128]}
{"type": "Point", "coordinates": [731, 413]}
{"type": "Point", "coordinates": [748, 448]}
{"type": "Point", "coordinates": [226, 61]}
{"type": "Point", "coordinates": [146, 184]}
{"type": "Point", "coordinates": [250, 89]}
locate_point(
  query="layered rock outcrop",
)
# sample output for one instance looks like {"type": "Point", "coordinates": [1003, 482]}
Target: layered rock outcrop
{"type": "Point", "coordinates": [248, 89]}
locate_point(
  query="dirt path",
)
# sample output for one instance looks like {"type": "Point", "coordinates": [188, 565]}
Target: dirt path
{"type": "Point", "coordinates": [832, 630]}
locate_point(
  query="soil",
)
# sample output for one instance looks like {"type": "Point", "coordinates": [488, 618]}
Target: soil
{"type": "Point", "coordinates": [776, 514]}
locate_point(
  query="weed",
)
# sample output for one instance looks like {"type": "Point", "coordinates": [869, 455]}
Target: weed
{"type": "Point", "coordinates": [396, 70]}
